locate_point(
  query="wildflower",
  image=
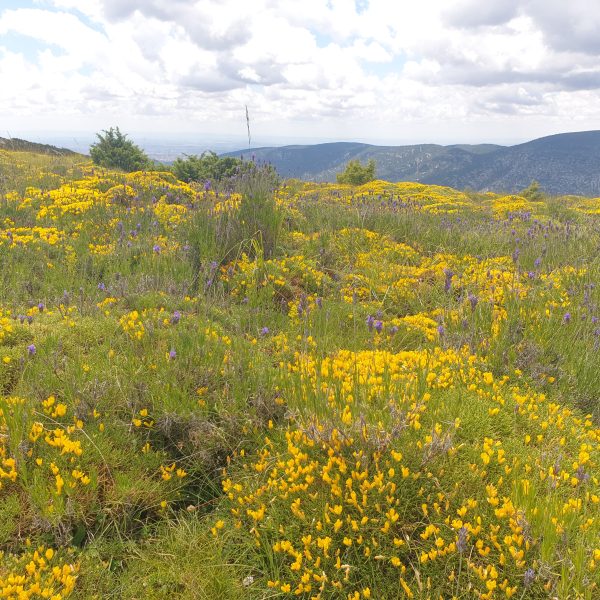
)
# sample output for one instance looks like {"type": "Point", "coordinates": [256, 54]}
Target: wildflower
{"type": "Point", "coordinates": [448, 281]}
{"type": "Point", "coordinates": [473, 300]}
{"type": "Point", "coordinates": [156, 248]}
{"type": "Point", "coordinates": [370, 322]}
{"type": "Point", "coordinates": [581, 475]}
{"type": "Point", "coordinates": [567, 317]}
{"type": "Point", "coordinates": [461, 544]}
{"type": "Point", "coordinates": [172, 354]}
{"type": "Point", "coordinates": [529, 577]}
{"type": "Point", "coordinates": [441, 330]}
{"type": "Point", "coordinates": [378, 326]}
{"type": "Point", "coordinates": [175, 318]}
{"type": "Point", "coordinates": [41, 307]}
{"type": "Point", "coordinates": [264, 331]}
{"type": "Point", "coordinates": [101, 287]}
{"type": "Point", "coordinates": [31, 349]}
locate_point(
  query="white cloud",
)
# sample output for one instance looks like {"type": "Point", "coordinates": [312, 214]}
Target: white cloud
{"type": "Point", "coordinates": [382, 70]}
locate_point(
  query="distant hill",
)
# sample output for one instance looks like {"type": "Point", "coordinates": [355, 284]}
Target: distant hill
{"type": "Point", "coordinates": [567, 163]}
{"type": "Point", "coordinates": [19, 145]}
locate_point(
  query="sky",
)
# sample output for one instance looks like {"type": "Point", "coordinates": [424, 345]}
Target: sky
{"type": "Point", "coordinates": [379, 71]}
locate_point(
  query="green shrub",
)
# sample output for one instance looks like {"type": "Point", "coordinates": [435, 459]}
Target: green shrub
{"type": "Point", "coordinates": [207, 166]}
{"type": "Point", "coordinates": [114, 150]}
{"type": "Point", "coordinates": [532, 192]}
{"type": "Point", "coordinates": [357, 174]}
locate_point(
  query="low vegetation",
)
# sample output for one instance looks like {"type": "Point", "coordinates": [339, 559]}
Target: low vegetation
{"type": "Point", "coordinates": [356, 173]}
{"type": "Point", "coordinates": [206, 168]}
{"type": "Point", "coordinates": [265, 389]}
{"type": "Point", "coordinates": [114, 151]}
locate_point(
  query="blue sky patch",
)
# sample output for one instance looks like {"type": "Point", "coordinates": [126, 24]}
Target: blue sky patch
{"type": "Point", "coordinates": [29, 47]}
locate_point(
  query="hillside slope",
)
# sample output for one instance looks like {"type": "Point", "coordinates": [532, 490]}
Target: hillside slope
{"type": "Point", "coordinates": [19, 145]}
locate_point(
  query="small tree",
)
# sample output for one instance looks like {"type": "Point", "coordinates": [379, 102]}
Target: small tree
{"type": "Point", "coordinates": [357, 174]}
{"type": "Point", "coordinates": [114, 151]}
{"type": "Point", "coordinates": [532, 192]}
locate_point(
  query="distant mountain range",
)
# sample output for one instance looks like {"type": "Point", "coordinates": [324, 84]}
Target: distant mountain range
{"type": "Point", "coordinates": [567, 163]}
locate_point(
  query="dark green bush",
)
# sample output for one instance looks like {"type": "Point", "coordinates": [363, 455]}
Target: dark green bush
{"type": "Point", "coordinates": [114, 151]}
{"type": "Point", "coordinates": [207, 166]}
{"type": "Point", "coordinates": [357, 174]}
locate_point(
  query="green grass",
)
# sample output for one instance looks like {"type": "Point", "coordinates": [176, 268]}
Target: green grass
{"type": "Point", "coordinates": [172, 360]}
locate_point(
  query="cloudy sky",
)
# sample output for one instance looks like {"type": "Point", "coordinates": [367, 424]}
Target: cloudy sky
{"type": "Point", "coordinates": [398, 71]}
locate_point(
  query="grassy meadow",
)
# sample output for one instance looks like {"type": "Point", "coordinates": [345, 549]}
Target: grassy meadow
{"type": "Point", "coordinates": [319, 391]}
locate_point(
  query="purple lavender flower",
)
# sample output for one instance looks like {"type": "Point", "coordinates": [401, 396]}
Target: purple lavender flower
{"type": "Point", "coordinates": [101, 287]}
{"type": "Point", "coordinates": [319, 302]}
{"type": "Point", "coordinates": [441, 330]}
{"type": "Point", "coordinates": [370, 322]}
{"type": "Point", "coordinates": [394, 329]}
{"type": "Point", "coordinates": [31, 349]}
{"type": "Point", "coordinates": [207, 185]}
{"type": "Point", "coordinates": [448, 281]}
{"type": "Point", "coordinates": [515, 255]}
{"type": "Point", "coordinates": [581, 474]}
{"type": "Point", "coordinates": [529, 577]}
{"type": "Point", "coordinates": [378, 326]}
{"type": "Point", "coordinates": [156, 248]}
{"type": "Point", "coordinates": [537, 262]}
{"type": "Point", "coordinates": [473, 300]}
{"type": "Point", "coordinates": [461, 543]}
{"type": "Point", "coordinates": [567, 317]}
{"type": "Point", "coordinates": [175, 318]}
{"type": "Point", "coordinates": [264, 331]}
{"type": "Point", "coordinates": [172, 354]}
